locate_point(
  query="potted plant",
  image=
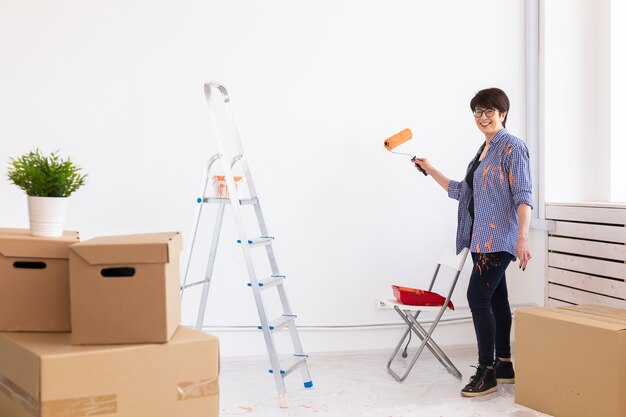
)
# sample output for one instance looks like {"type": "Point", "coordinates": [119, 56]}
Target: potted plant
{"type": "Point", "coordinates": [48, 182]}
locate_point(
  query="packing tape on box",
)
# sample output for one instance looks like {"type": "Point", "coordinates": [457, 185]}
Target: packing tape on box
{"type": "Point", "coordinates": [73, 407]}
{"type": "Point", "coordinates": [19, 395]}
{"type": "Point", "coordinates": [95, 405]}
{"type": "Point", "coordinates": [197, 389]}
{"type": "Point", "coordinates": [80, 407]}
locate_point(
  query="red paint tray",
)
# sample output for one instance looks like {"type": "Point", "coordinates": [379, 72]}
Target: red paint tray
{"type": "Point", "coordinates": [415, 297]}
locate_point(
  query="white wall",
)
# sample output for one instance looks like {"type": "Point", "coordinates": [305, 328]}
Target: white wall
{"type": "Point", "coordinates": [576, 56]}
{"type": "Point", "coordinates": [316, 88]}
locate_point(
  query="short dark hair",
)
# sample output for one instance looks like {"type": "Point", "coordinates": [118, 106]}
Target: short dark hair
{"type": "Point", "coordinates": [492, 98]}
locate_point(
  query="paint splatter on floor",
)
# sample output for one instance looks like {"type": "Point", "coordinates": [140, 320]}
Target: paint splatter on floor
{"type": "Point", "coordinates": [358, 385]}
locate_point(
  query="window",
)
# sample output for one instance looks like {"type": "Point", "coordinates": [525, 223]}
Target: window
{"type": "Point", "coordinates": [618, 101]}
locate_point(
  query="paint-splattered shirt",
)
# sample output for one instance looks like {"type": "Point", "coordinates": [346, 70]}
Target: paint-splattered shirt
{"type": "Point", "coordinates": [501, 182]}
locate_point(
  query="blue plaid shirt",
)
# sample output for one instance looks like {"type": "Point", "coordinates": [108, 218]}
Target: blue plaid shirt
{"type": "Point", "coordinates": [501, 182]}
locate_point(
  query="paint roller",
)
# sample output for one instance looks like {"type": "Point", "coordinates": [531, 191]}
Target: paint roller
{"type": "Point", "coordinates": [397, 140]}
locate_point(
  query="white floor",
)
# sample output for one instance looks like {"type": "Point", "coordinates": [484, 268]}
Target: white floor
{"type": "Point", "coordinates": [357, 384]}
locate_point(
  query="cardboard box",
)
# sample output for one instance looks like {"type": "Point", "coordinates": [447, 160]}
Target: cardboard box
{"type": "Point", "coordinates": [571, 361]}
{"type": "Point", "coordinates": [125, 289]}
{"type": "Point", "coordinates": [43, 375]}
{"type": "Point", "coordinates": [34, 281]}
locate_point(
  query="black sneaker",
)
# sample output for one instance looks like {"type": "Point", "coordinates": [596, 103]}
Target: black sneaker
{"type": "Point", "coordinates": [504, 372]}
{"type": "Point", "coordinates": [482, 383]}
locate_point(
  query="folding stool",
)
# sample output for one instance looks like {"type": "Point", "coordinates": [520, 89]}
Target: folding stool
{"type": "Point", "coordinates": [409, 314]}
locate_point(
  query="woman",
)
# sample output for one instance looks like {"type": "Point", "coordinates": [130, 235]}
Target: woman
{"type": "Point", "coordinates": [495, 200]}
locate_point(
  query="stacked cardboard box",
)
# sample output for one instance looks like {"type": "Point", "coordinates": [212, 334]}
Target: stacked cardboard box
{"type": "Point", "coordinates": [34, 281]}
{"type": "Point", "coordinates": [44, 375]}
{"type": "Point", "coordinates": [571, 361]}
{"type": "Point", "coordinates": [125, 289]}
{"type": "Point", "coordinates": [126, 355]}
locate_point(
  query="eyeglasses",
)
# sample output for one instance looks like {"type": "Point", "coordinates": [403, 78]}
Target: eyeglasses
{"type": "Point", "coordinates": [487, 112]}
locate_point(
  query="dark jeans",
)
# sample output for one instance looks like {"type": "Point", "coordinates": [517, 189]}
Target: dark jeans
{"type": "Point", "coordinates": [489, 302]}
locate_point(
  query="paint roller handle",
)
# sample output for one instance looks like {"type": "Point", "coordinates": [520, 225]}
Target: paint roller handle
{"type": "Point", "coordinates": [414, 159]}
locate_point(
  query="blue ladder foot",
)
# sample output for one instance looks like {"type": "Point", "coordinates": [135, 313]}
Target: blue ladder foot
{"type": "Point", "coordinates": [271, 371]}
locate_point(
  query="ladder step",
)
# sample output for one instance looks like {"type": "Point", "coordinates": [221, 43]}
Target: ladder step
{"type": "Point", "coordinates": [214, 200]}
{"type": "Point", "coordinates": [270, 282]}
{"type": "Point", "coordinates": [299, 360]}
{"type": "Point", "coordinates": [193, 284]}
{"type": "Point", "coordinates": [262, 241]}
{"type": "Point", "coordinates": [279, 323]}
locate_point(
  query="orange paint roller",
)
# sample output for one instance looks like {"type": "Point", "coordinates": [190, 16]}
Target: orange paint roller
{"type": "Point", "coordinates": [397, 140]}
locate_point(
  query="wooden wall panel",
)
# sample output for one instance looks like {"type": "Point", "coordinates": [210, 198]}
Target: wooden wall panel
{"type": "Point", "coordinates": [589, 231]}
{"type": "Point", "coordinates": [587, 254]}
{"type": "Point", "coordinates": [594, 249]}
{"type": "Point", "coordinates": [591, 266]}
{"type": "Point", "coordinates": [576, 296]}
{"type": "Point", "coordinates": [587, 214]}
{"type": "Point", "coordinates": [610, 287]}
{"type": "Point", "coordinates": [558, 303]}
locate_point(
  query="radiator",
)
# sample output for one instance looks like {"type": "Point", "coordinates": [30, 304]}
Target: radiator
{"type": "Point", "coordinates": [586, 254]}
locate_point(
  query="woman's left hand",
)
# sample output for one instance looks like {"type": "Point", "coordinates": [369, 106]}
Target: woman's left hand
{"type": "Point", "coordinates": [521, 248]}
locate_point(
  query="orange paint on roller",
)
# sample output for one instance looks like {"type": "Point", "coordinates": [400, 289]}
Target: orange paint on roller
{"type": "Point", "coordinates": [398, 139]}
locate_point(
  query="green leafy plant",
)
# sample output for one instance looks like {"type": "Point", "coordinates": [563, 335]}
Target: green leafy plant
{"type": "Point", "coordinates": [45, 176]}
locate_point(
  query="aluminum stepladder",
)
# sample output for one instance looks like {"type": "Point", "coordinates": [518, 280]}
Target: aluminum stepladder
{"type": "Point", "coordinates": [217, 92]}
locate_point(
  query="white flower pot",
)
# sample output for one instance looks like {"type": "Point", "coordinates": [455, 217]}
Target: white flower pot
{"type": "Point", "coordinates": [47, 215]}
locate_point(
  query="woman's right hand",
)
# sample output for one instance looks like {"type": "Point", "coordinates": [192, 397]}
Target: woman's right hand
{"type": "Point", "coordinates": [441, 179]}
{"type": "Point", "coordinates": [422, 163]}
